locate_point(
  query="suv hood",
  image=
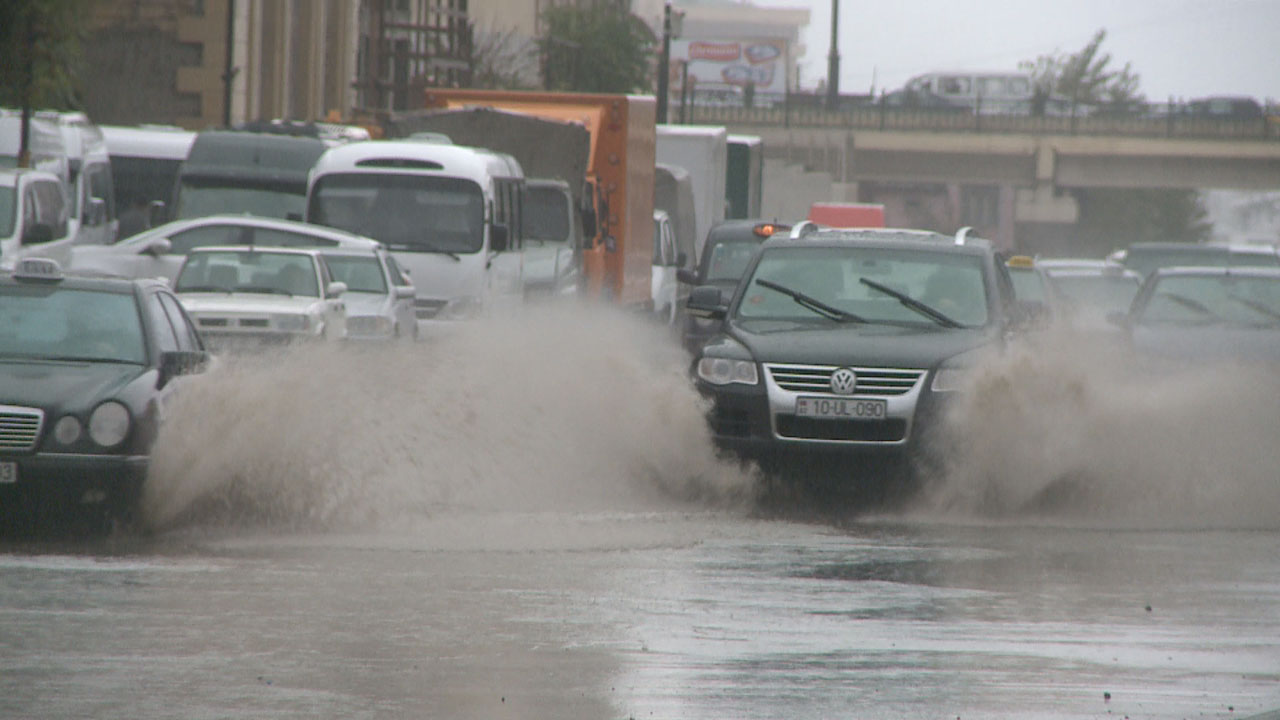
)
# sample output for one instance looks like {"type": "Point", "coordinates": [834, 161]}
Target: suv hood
{"type": "Point", "coordinates": [867, 345]}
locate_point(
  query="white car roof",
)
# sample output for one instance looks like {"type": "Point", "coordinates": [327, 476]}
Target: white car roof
{"type": "Point", "coordinates": [342, 237]}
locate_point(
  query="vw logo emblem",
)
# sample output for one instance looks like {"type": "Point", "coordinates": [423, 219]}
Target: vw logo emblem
{"type": "Point", "coordinates": [844, 381]}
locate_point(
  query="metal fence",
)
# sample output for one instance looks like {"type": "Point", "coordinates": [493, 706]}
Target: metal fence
{"type": "Point", "coordinates": [883, 117]}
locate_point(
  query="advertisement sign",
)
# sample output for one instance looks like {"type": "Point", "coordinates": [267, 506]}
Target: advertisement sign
{"type": "Point", "coordinates": [731, 63]}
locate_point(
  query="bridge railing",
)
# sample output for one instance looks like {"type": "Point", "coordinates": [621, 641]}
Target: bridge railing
{"type": "Point", "coordinates": [880, 117]}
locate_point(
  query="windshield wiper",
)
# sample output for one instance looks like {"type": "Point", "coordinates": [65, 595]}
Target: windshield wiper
{"type": "Point", "coordinates": [911, 303]}
{"type": "Point", "coordinates": [1256, 306]}
{"type": "Point", "coordinates": [809, 303]}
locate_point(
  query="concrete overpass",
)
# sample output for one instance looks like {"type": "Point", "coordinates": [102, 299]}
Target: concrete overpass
{"type": "Point", "coordinates": [1025, 166]}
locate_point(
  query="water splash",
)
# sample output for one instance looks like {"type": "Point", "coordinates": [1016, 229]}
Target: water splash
{"type": "Point", "coordinates": [564, 407]}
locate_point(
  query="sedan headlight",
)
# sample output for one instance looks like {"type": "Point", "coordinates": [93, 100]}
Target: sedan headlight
{"type": "Point", "coordinates": [109, 424]}
{"type": "Point", "coordinates": [290, 322]}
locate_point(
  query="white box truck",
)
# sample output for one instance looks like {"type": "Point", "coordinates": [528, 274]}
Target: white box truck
{"type": "Point", "coordinates": [702, 150]}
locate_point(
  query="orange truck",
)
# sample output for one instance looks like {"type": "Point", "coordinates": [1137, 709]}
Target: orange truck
{"type": "Point", "coordinates": [618, 261]}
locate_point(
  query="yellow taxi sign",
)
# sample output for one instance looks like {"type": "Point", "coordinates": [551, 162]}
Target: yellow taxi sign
{"type": "Point", "coordinates": [37, 268]}
{"type": "Point", "coordinates": [1020, 261]}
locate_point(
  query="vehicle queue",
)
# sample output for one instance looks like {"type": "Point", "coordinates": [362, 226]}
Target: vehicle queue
{"type": "Point", "coordinates": [810, 343]}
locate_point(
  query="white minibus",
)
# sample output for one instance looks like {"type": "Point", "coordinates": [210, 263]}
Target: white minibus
{"type": "Point", "coordinates": [451, 215]}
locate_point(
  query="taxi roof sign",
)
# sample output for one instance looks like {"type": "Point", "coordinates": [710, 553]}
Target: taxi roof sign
{"type": "Point", "coordinates": [1021, 261]}
{"type": "Point", "coordinates": [37, 268]}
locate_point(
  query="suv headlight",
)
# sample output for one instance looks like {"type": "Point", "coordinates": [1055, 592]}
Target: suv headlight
{"type": "Point", "coordinates": [722, 368]}
{"type": "Point", "coordinates": [109, 424]}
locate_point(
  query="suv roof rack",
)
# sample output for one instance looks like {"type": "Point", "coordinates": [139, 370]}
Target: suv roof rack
{"type": "Point", "coordinates": [804, 228]}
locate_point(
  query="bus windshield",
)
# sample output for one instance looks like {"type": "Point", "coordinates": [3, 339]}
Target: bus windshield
{"type": "Point", "coordinates": [201, 198]}
{"type": "Point", "coordinates": [413, 213]}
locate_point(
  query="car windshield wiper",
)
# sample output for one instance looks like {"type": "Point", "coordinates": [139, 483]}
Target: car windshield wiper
{"type": "Point", "coordinates": [809, 303]}
{"type": "Point", "coordinates": [1260, 308]}
{"type": "Point", "coordinates": [83, 359]}
{"type": "Point", "coordinates": [911, 303]}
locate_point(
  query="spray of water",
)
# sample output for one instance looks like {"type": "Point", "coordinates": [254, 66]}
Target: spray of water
{"type": "Point", "coordinates": [564, 407]}
{"type": "Point", "coordinates": [1067, 428]}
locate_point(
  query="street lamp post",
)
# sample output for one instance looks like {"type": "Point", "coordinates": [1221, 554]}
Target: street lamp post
{"type": "Point", "coordinates": [833, 59]}
{"type": "Point", "coordinates": [664, 64]}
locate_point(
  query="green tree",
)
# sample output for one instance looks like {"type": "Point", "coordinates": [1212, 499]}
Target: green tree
{"type": "Point", "coordinates": [1087, 77]}
{"type": "Point", "coordinates": [40, 52]}
{"type": "Point", "coordinates": [597, 48]}
{"type": "Point", "coordinates": [1111, 218]}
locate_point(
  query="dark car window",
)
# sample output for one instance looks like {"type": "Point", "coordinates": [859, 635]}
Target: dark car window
{"type": "Point", "coordinates": [207, 236]}
{"type": "Point", "coordinates": [161, 328]}
{"type": "Point", "coordinates": [188, 339]}
{"type": "Point", "coordinates": [729, 260]}
{"type": "Point", "coordinates": [39, 321]}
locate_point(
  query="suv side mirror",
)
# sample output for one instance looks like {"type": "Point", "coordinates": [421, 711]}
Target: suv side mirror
{"type": "Point", "coordinates": [158, 247]}
{"type": "Point", "coordinates": [37, 234]}
{"type": "Point", "coordinates": [707, 301]}
{"type": "Point", "coordinates": [335, 289]}
{"type": "Point", "coordinates": [499, 238]}
{"type": "Point", "coordinates": [589, 221]}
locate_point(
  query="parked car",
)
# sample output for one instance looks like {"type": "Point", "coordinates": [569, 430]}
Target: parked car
{"type": "Point", "coordinates": [1032, 288]}
{"type": "Point", "coordinates": [88, 365]}
{"type": "Point", "coordinates": [379, 296]}
{"type": "Point", "coordinates": [159, 252]}
{"type": "Point", "coordinates": [243, 297]}
{"type": "Point", "coordinates": [35, 214]}
{"type": "Point", "coordinates": [725, 256]}
{"type": "Point", "coordinates": [848, 340]}
{"type": "Point", "coordinates": [1192, 315]}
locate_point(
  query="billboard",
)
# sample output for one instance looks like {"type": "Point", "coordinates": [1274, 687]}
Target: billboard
{"type": "Point", "coordinates": [718, 63]}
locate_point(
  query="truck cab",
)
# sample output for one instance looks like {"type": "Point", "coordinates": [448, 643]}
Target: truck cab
{"type": "Point", "coordinates": [553, 237]}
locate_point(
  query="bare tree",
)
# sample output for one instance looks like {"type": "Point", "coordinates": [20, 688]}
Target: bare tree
{"type": "Point", "coordinates": [503, 59]}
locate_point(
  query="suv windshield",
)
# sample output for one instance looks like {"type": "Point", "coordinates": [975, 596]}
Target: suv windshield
{"type": "Point", "coordinates": [46, 322]}
{"type": "Point", "coordinates": [415, 213]}
{"type": "Point", "coordinates": [729, 260]}
{"type": "Point", "coordinates": [361, 273]}
{"type": "Point", "coordinates": [869, 284]}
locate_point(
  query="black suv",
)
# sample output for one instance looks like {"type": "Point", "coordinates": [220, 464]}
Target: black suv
{"type": "Point", "coordinates": [848, 340]}
{"type": "Point", "coordinates": [725, 256]}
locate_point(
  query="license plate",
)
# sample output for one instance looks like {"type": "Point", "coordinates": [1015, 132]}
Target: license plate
{"type": "Point", "coordinates": [840, 408]}
{"type": "Point", "coordinates": [8, 473]}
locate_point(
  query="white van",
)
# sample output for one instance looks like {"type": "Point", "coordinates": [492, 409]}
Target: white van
{"type": "Point", "coordinates": [89, 182]}
{"type": "Point", "coordinates": [145, 160]}
{"type": "Point", "coordinates": [451, 215]}
{"type": "Point", "coordinates": [986, 93]}
{"type": "Point", "coordinates": [34, 216]}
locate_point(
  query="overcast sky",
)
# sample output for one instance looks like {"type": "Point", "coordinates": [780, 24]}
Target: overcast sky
{"type": "Point", "coordinates": [1180, 48]}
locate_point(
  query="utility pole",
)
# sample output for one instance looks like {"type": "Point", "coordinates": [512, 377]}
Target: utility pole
{"type": "Point", "coordinates": [229, 68]}
{"type": "Point", "coordinates": [664, 64]}
{"type": "Point", "coordinates": [833, 59]}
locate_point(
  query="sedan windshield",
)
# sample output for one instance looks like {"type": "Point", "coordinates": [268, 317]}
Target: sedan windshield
{"type": "Point", "coordinates": [1213, 299]}
{"type": "Point", "coordinates": [867, 284]}
{"type": "Point", "coordinates": [43, 322]}
{"type": "Point", "coordinates": [249, 271]}
{"type": "Point", "coordinates": [361, 273]}
{"type": "Point", "coordinates": [413, 213]}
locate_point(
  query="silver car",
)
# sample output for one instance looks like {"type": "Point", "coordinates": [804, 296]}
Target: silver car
{"type": "Point", "coordinates": [160, 251]}
{"type": "Point", "coordinates": [379, 296]}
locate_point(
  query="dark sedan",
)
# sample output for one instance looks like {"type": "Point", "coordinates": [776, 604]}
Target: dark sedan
{"type": "Point", "coordinates": [86, 366]}
{"type": "Point", "coordinates": [848, 340]}
{"type": "Point", "coordinates": [725, 256]}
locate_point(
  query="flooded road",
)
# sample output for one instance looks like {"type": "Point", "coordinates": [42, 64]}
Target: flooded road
{"type": "Point", "coordinates": [449, 535]}
{"type": "Point", "coordinates": [675, 614]}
